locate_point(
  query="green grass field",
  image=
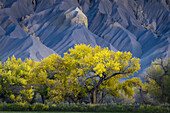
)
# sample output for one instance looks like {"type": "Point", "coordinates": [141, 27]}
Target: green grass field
{"type": "Point", "coordinates": [57, 112]}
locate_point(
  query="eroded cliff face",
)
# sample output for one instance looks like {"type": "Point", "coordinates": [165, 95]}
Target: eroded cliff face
{"type": "Point", "coordinates": [37, 28]}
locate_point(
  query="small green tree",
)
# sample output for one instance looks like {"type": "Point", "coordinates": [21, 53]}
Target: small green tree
{"type": "Point", "coordinates": [158, 79]}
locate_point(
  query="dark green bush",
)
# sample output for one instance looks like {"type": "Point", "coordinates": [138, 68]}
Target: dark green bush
{"type": "Point", "coordinates": [15, 107]}
{"type": "Point", "coordinates": [39, 107]}
{"type": "Point", "coordinates": [85, 108]}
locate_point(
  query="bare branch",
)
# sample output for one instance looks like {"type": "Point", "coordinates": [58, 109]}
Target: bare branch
{"type": "Point", "coordinates": [113, 75]}
{"type": "Point", "coordinates": [90, 77]}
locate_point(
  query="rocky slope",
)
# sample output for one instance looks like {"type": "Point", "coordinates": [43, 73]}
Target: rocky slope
{"type": "Point", "coordinates": [37, 28]}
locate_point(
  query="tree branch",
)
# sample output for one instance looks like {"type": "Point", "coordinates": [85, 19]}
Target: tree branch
{"type": "Point", "coordinates": [113, 75]}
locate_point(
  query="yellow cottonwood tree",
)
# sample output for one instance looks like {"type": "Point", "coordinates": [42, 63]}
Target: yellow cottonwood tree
{"type": "Point", "coordinates": [52, 79]}
{"type": "Point", "coordinates": [95, 66]}
{"type": "Point", "coordinates": [13, 78]}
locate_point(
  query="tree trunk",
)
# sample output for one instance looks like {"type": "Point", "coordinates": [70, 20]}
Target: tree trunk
{"type": "Point", "coordinates": [95, 91]}
{"type": "Point", "coordinates": [89, 97]}
{"type": "Point", "coordinates": [42, 97]}
{"type": "Point", "coordinates": [95, 96]}
{"type": "Point", "coordinates": [101, 97]}
{"type": "Point", "coordinates": [163, 95]}
{"type": "Point", "coordinates": [141, 95]}
{"type": "Point", "coordinates": [33, 99]}
{"type": "Point", "coordinates": [164, 99]}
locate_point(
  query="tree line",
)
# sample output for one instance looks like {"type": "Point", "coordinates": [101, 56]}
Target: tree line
{"type": "Point", "coordinates": [84, 74]}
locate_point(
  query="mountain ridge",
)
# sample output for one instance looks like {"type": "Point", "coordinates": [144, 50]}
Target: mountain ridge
{"type": "Point", "coordinates": [35, 29]}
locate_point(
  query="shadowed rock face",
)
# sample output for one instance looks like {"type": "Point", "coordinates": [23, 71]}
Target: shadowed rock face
{"type": "Point", "coordinates": [35, 29]}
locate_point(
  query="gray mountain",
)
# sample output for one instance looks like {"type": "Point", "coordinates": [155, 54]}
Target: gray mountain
{"type": "Point", "coordinates": [37, 28]}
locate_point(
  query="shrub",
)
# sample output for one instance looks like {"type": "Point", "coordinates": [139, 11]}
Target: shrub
{"type": "Point", "coordinates": [84, 107]}
{"type": "Point", "coordinates": [39, 107]}
{"type": "Point", "coordinates": [15, 107]}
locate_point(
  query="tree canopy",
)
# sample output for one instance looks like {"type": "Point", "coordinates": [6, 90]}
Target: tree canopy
{"type": "Point", "coordinates": [99, 68]}
{"type": "Point", "coordinates": [158, 79]}
{"type": "Point", "coordinates": [84, 74]}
